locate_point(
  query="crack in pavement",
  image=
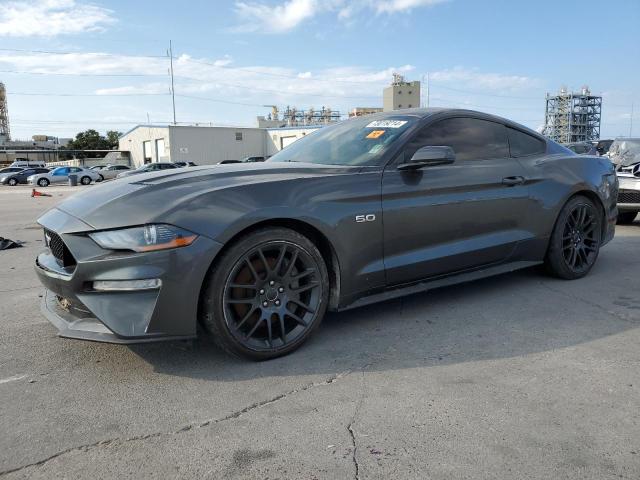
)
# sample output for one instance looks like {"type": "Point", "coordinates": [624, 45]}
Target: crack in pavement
{"type": "Point", "coordinates": [234, 415]}
{"type": "Point", "coordinates": [352, 433]}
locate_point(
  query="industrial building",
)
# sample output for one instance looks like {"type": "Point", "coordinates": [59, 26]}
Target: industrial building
{"type": "Point", "coordinates": [401, 94]}
{"type": "Point", "coordinates": [5, 133]}
{"type": "Point", "coordinates": [573, 117]}
{"type": "Point", "coordinates": [362, 111]}
{"type": "Point", "coordinates": [205, 145]}
{"type": "Point", "coordinates": [295, 117]}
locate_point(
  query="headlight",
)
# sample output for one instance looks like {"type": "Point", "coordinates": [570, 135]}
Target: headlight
{"type": "Point", "coordinates": [144, 239]}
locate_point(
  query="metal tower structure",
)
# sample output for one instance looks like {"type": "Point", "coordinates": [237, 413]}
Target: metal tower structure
{"type": "Point", "coordinates": [573, 117]}
{"type": "Point", "coordinates": [5, 134]}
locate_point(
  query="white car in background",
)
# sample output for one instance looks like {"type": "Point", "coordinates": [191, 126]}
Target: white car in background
{"type": "Point", "coordinates": [61, 175]}
{"type": "Point", "coordinates": [111, 171]}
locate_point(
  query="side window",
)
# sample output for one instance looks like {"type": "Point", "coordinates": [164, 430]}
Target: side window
{"type": "Point", "coordinates": [523, 144]}
{"type": "Point", "coordinates": [75, 169]}
{"type": "Point", "coordinates": [470, 138]}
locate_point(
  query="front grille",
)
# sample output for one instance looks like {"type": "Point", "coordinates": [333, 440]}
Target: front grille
{"type": "Point", "coordinates": [59, 249]}
{"type": "Point", "coordinates": [629, 196]}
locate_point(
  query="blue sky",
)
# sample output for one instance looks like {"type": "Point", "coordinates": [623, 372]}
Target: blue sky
{"type": "Point", "coordinates": [106, 64]}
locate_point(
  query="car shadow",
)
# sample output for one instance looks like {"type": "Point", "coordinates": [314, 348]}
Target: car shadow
{"type": "Point", "coordinates": [512, 315]}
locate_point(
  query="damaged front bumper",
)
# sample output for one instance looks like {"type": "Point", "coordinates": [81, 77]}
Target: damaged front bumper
{"type": "Point", "coordinates": [166, 309]}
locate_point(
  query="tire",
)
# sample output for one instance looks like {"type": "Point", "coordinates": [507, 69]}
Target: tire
{"type": "Point", "coordinates": [85, 180]}
{"type": "Point", "coordinates": [626, 218]}
{"type": "Point", "coordinates": [266, 294]}
{"type": "Point", "coordinates": [13, 182]}
{"type": "Point", "coordinates": [575, 241]}
{"type": "Point", "coordinates": [101, 178]}
{"type": "Point", "coordinates": [43, 182]}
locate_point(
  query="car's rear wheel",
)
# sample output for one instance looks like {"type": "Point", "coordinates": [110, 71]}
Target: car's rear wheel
{"type": "Point", "coordinates": [575, 241]}
{"type": "Point", "coordinates": [85, 180]}
{"type": "Point", "coordinates": [266, 294]}
{"type": "Point", "coordinates": [626, 218]}
{"type": "Point", "coordinates": [13, 182]}
{"type": "Point", "coordinates": [43, 182]}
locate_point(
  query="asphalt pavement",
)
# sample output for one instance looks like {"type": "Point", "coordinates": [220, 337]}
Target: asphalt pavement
{"type": "Point", "coordinates": [517, 376]}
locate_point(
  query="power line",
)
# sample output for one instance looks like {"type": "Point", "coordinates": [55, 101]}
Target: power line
{"type": "Point", "coordinates": [103, 54]}
{"type": "Point", "coordinates": [64, 74]}
{"type": "Point", "coordinates": [90, 94]}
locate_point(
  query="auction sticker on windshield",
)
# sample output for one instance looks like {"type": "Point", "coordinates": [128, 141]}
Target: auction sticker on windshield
{"type": "Point", "coordinates": [375, 134]}
{"type": "Point", "coordinates": [386, 124]}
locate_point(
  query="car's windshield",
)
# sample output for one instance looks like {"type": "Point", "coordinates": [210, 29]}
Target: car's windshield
{"type": "Point", "coordinates": [360, 141]}
{"type": "Point", "coordinates": [625, 152]}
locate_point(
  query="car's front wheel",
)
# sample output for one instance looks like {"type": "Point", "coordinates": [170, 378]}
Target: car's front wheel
{"type": "Point", "coordinates": [13, 182]}
{"type": "Point", "coordinates": [85, 180]}
{"type": "Point", "coordinates": [266, 294]}
{"type": "Point", "coordinates": [43, 182]}
{"type": "Point", "coordinates": [626, 218]}
{"type": "Point", "coordinates": [575, 241]}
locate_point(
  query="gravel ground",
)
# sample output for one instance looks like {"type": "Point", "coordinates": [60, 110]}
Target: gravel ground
{"type": "Point", "coordinates": [517, 376]}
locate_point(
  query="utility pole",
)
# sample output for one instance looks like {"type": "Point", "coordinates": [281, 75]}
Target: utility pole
{"type": "Point", "coordinates": [173, 94]}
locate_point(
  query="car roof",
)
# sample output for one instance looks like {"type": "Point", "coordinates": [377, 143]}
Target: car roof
{"type": "Point", "coordinates": [433, 111]}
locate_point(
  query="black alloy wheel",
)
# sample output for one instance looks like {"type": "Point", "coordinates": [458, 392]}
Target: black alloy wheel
{"type": "Point", "coordinates": [575, 242]}
{"type": "Point", "coordinates": [85, 180]}
{"type": "Point", "coordinates": [43, 182]}
{"type": "Point", "coordinates": [273, 295]}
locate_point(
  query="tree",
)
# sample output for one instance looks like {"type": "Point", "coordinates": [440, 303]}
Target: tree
{"type": "Point", "coordinates": [92, 140]}
{"type": "Point", "coordinates": [113, 138]}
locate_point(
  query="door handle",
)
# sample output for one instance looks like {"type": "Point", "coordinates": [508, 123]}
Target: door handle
{"type": "Point", "coordinates": [512, 181]}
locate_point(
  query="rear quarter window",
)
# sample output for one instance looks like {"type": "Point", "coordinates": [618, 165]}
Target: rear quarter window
{"type": "Point", "coordinates": [522, 144]}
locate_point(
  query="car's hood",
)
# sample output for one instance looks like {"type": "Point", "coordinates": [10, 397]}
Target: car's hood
{"type": "Point", "coordinates": [145, 198]}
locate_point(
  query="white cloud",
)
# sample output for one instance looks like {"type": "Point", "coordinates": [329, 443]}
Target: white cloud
{"type": "Point", "coordinates": [275, 19]}
{"type": "Point", "coordinates": [283, 17]}
{"type": "Point", "coordinates": [49, 18]}
{"type": "Point", "coordinates": [393, 6]}
{"type": "Point", "coordinates": [480, 80]}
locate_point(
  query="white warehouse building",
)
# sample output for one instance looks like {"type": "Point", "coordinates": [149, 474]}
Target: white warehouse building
{"type": "Point", "coordinates": [205, 145]}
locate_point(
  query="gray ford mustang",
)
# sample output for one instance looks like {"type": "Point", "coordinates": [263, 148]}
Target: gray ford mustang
{"type": "Point", "coordinates": [366, 210]}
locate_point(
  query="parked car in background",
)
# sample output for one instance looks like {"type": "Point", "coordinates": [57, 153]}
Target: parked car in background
{"type": "Point", "coordinates": [582, 148]}
{"type": "Point", "coordinates": [10, 170]}
{"type": "Point", "coordinates": [20, 177]}
{"type": "Point", "coordinates": [185, 164]}
{"type": "Point", "coordinates": [98, 167]}
{"type": "Point", "coordinates": [602, 146]}
{"type": "Point", "coordinates": [257, 254]}
{"type": "Point", "coordinates": [149, 167]}
{"type": "Point", "coordinates": [244, 160]}
{"type": "Point", "coordinates": [26, 163]}
{"type": "Point", "coordinates": [253, 159]}
{"type": "Point", "coordinates": [61, 175]}
{"type": "Point", "coordinates": [111, 171]}
{"type": "Point", "coordinates": [625, 155]}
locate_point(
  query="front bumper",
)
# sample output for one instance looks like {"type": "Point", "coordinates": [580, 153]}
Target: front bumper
{"type": "Point", "coordinates": [628, 193]}
{"type": "Point", "coordinates": [78, 311]}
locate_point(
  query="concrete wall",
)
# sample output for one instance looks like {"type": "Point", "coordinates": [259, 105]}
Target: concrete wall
{"type": "Point", "coordinates": [134, 139]}
{"type": "Point", "coordinates": [207, 145]}
{"type": "Point", "coordinates": [210, 145]}
{"type": "Point", "coordinates": [279, 137]}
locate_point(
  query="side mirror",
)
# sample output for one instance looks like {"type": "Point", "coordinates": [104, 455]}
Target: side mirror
{"type": "Point", "coordinates": [429, 157]}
